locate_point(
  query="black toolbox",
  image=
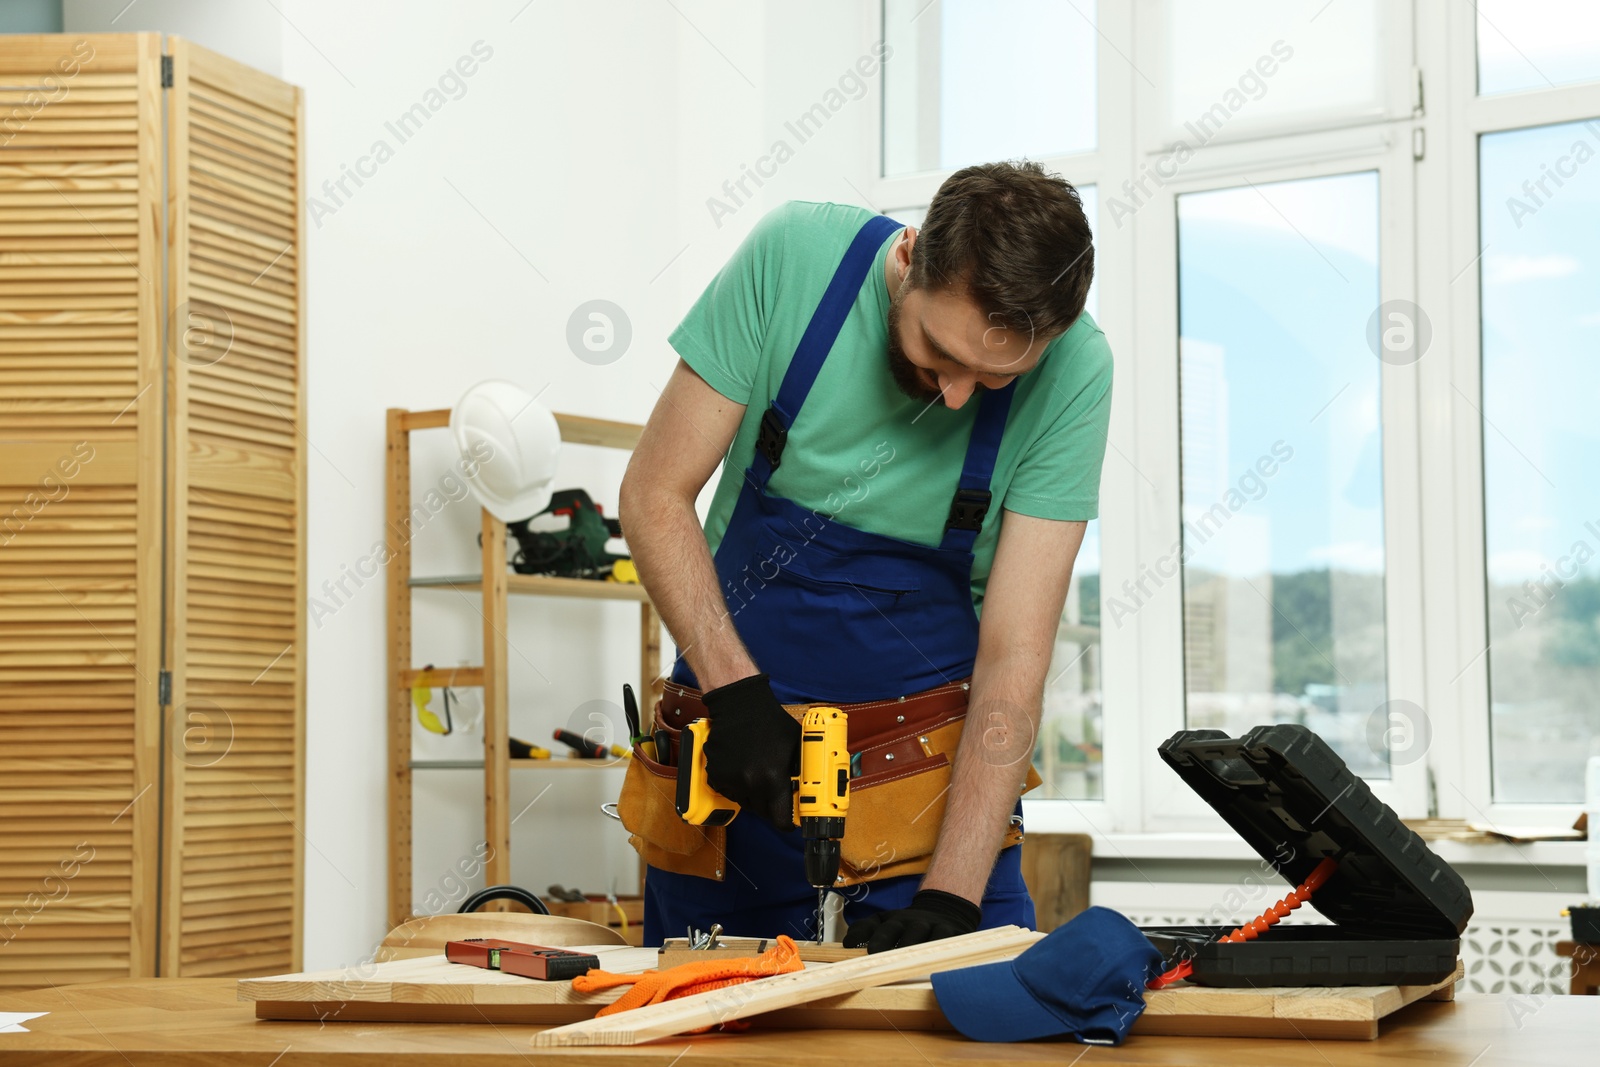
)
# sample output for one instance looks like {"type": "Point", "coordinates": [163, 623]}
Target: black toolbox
{"type": "Point", "coordinates": [1397, 909]}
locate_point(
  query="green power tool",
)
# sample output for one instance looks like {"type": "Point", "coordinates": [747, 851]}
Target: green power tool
{"type": "Point", "coordinates": [579, 551]}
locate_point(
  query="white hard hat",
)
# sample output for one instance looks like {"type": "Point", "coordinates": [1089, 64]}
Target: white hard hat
{"type": "Point", "coordinates": [509, 443]}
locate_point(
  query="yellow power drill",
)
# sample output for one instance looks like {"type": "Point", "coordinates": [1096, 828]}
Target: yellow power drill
{"type": "Point", "coordinates": [821, 797]}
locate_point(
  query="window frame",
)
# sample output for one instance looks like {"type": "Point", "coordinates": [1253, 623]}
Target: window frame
{"type": "Point", "coordinates": [1435, 585]}
{"type": "Point", "coordinates": [1454, 504]}
{"type": "Point", "coordinates": [1168, 805]}
{"type": "Point", "coordinates": [1395, 66]}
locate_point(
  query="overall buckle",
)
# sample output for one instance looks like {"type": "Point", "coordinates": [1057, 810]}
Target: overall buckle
{"type": "Point", "coordinates": [968, 509]}
{"type": "Point", "coordinates": [772, 437]}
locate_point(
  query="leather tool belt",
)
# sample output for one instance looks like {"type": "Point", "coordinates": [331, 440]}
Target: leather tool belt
{"type": "Point", "coordinates": [897, 802]}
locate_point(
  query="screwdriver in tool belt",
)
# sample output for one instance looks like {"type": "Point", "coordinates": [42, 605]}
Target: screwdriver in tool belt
{"type": "Point", "coordinates": [636, 736]}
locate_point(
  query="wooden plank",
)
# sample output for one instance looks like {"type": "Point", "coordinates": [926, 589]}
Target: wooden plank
{"type": "Point", "coordinates": [566, 763]}
{"type": "Point", "coordinates": [93, 60]}
{"type": "Point", "coordinates": [575, 429]}
{"type": "Point", "coordinates": [651, 685]}
{"type": "Point", "coordinates": [425, 937]}
{"type": "Point", "coordinates": [496, 707]}
{"type": "Point", "coordinates": [656, 1021]}
{"type": "Point", "coordinates": [651, 680]}
{"type": "Point", "coordinates": [607, 433]}
{"type": "Point", "coordinates": [240, 470]}
{"type": "Point", "coordinates": [585, 588]}
{"type": "Point", "coordinates": [542, 585]}
{"type": "Point", "coordinates": [676, 950]}
{"type": "Point", "coordinates": [444, 677]}
{"type": "Point", "coordinates": [397, 505]}
{"type": "Point", "coordinates": [425, 420]}
{"type": "Point", "coordinates": [420, 986]}
{"type": "Point", "coordinates": [26, 462]}
{"type": "Point", "coordinates": [1055, 868]}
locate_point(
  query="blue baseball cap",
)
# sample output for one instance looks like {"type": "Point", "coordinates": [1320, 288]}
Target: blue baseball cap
{"type": "Point", "coordinates": [1086, 979]}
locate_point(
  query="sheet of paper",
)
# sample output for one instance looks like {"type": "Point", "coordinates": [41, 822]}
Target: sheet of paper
{"type": "Point", "coordinates": [1517, 834]}
{"type": "Point", "coordinates": [11, 1021]}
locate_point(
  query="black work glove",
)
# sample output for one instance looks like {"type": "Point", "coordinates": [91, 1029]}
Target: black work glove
{"type": "Point", "coordinates": [753, 752]}
{"type": "Point", "coordinates": [933, 914]}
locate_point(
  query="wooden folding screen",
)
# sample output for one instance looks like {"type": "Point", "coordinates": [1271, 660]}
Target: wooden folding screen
{"type": "Point", "coordinates": [80, 556]}
{"type": "Point", "coordinates": [237, 616]}
{"type": "Point", "coordinates": [151, 513]}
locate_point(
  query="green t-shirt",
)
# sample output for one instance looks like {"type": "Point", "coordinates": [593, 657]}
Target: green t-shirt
{"type": "Point", "coordinates": [860, 450]}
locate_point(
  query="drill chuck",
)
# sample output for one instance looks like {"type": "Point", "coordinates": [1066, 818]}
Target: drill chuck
{"type": "Point", "coordinates": [822, 857]}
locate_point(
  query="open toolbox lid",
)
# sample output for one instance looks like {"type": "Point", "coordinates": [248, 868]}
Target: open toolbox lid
{"type": "Point", "coordinates": [1293, 799]}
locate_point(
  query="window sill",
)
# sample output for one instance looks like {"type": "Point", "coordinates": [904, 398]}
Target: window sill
{"type": "Point", "coordinates": [1227, 846]}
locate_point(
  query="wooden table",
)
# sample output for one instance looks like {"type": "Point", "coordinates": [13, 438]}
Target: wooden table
{"type": "Point", "coordinates": [1585, 965]}
{"type": "Point", "coordinates": [188, 1022]}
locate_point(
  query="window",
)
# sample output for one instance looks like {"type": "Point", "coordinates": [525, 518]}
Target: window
{"type": "Point", "coordinates": [1536, 44]}
{"type": "Point", "coordinates": [1282, 486]}
{"type": "Point", "coordinates": [1346, 258]}
{"type": "Point", "coordinates": [1069, 750]}
{"type": "Point", "coordinates": [1249, 67]}
{"type": "Point", "coordinates": [968, 81]}
{"type": "Point", "coordinates": [1541, 454]}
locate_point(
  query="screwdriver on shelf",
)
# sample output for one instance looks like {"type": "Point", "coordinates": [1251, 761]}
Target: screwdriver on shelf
{"type": "Point", "coordinates": [520, 749]}
{"type": "Point", "coordinates": [583, 748]}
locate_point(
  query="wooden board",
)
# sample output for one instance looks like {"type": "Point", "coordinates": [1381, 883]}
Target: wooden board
{"type": "Point", "coordinates": [432, 990]}
{"type": "Point", "coordinates": [676, 950]}
{"type": "Point", "coordinates": [426, 936]}
{"type": "Point", "coordinates": [1055, 868]}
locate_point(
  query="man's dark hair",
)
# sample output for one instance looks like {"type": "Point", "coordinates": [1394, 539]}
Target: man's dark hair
{"type": "Point", "coordinates": [1012, 236]}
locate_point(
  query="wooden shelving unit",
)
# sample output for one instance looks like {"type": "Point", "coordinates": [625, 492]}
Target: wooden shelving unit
{"type": "Point", "coordinates": [496, 584]}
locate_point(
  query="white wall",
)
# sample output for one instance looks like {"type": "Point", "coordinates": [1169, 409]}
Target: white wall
{"type": "Point", "coordinates": [587, 145]}
{"type": "Point", "coordinates": [247, 30]}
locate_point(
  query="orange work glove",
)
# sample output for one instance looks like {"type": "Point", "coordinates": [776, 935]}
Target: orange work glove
{"type": "Point", "coordinates": [687, 979]}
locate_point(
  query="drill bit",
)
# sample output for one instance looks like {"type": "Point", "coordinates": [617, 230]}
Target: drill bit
{"type": "Point", "coordinates": [822, 896]}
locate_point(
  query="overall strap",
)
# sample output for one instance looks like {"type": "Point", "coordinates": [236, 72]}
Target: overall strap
{"type": "Point", "coordinates": [817, 342]}
{"type": "Point", "coordinates": [971, 502]}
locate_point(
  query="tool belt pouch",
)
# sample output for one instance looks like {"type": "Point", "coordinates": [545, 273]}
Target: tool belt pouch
{"type": "Point", "coordinates": [648, 810]}
{"type": "Point", "coordinates": [897, 803]}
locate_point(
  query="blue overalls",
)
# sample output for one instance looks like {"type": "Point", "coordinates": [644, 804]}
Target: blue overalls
{"type": "Point", "coordinates": [840, 615]}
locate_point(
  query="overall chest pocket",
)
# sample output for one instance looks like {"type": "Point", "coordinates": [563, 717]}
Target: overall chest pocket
{"type": "Point", "coordinates": [811, 568]}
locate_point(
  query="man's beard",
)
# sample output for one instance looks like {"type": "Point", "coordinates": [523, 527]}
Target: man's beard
{"type": "Point", "coordinates": [905, 372]}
